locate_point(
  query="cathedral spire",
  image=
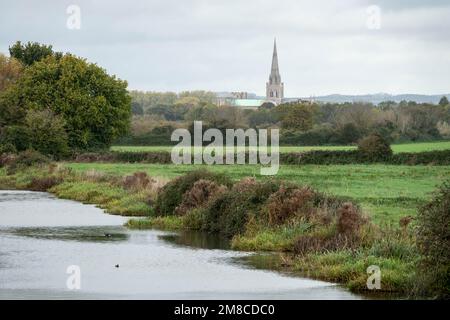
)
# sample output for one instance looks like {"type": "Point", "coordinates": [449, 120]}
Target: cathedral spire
{"type": "Point", "coordinates": [275, 88]}
{"type": "Point", "coordinates": [275, 72]}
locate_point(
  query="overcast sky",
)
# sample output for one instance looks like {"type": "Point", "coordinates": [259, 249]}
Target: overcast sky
{"type": "Point", "coordinates": [324, 47]}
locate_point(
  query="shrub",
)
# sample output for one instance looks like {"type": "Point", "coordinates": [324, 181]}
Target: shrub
{"type": "Point", "coordinates": [349, 220]}
{"type": "Point", "coordinates": [405, 221]}
{"type": "Point", "coordinates": [229, 212]}
{"type": "Point", "coordinates": [244, 184]}
{"type": "Point", "coordinates": [27, 158]}
{"type": "Point", "coordinates": [288, 202]}
{"type": "Point", "coordinates": [147, 157]}
{"type": "Point", "coordinates": [137, 181]}
{"type": "Point", "coordinates": [7, 148]}
{"type": "Point", "coordinates": [16, 135]}
{"type": "Point", "coordinates": [348, 133]}
{"type": "Point", "coordinates": [375, 146]}
{"type": "Point", "coordinates": [318, 243]}
{"type": "Point", "coordinates": [198, 195]}
{"type": "Point", "coordinates": [434, 243]}
{"type": "Point", "coordinates": [158, 136]}
{"type": "Point", "coordinates": [170, 196]}
{"type": "Point", "coordinates": [43, 183]}
{"type": "Point", "coordinates": [7, 158]}
{"type": "Point", "coordinates": [195, 219]}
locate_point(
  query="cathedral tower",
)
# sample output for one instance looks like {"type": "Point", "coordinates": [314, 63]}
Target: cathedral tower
{"type": "Point", "coordinates": [275, 88]}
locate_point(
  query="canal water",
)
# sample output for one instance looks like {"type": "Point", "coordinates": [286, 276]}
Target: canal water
{"type": "Point", "coordinates": [42, 236]}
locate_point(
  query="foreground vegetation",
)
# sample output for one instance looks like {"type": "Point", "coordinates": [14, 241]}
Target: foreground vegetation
{"type": "Point", "coordinates": [332, 236]}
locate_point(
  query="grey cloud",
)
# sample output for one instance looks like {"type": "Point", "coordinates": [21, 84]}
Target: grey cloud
{"type": "Point", "coordinates": [324, 46]}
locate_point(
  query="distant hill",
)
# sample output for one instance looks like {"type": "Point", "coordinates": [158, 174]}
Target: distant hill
{"type": "Point", "coordinates": [341, 98]}
{"type": "Point", "coordinates": [380, 97]}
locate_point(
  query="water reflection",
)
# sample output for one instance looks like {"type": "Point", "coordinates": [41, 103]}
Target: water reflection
{"type": "Point", "coordinates": [194, 239]}
{"type": "Point", "coordinates": [81, 234]}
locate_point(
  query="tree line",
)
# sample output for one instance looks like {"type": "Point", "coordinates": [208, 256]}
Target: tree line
{"type": "Point", "coordinates": [300, 123]}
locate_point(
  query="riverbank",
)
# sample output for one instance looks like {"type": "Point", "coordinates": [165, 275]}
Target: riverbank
{"type": "Point", "coordinates": [323, 257]}
{"type": "Point", "coordinates": [396, 255]}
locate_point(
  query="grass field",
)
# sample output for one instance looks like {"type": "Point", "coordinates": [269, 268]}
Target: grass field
{"type": "Point", "coordinates": [385, 192]}
{"type": "Point", "coordinates": [397, 148]}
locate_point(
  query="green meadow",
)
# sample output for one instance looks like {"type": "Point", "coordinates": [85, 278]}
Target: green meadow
{"type": "Point", "coordinates": [397, 148]}
{"type": "Point", "coordinates": [385, 192]}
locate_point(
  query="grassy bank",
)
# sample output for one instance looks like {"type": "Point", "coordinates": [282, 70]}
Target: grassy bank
{"type": "Point", "coordinates": [385, 192]}
{"type": "Point", "coordinates": [397, 148]}
{"type": "Point", "coordinates": [108, 192]}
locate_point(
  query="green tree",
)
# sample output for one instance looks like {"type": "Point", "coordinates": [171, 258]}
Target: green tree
{"type": "Point", "coordinates": [444, 101]}
{"type": "Point", "coordinates": [375, 146]}
{"type": "Point", "coordinates": [296, 116]}
{"type": "Point", "coordinates": [17, 136]}
{"type": "Point", "coordinates": [94, 105]}
{"type": "Point", "coordinates": [47, 133]}
{"type": "Point", "coordinates": [31, 52]}
{"type": "Point", "coordinates": [188, 101]}
{"type": "Point", "coordinates": [433, 239]}
{"type": "Point", "coordinates": [202, 112]}
{"type": "Point", "coordinates": [10, 71]}
{"type": "Point", "coordinates": [136, 109]}
{"type": "Point", "coordinates": [348, 133]}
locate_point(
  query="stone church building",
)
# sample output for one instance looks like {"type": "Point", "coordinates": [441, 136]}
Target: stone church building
{"type": "Point", "coordinates": [275, 88]}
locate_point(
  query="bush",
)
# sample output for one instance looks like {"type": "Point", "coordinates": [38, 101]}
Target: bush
{"type": "Point", "coordinates": [320, 243]}
{"type": "Point", "coordinates": [375, 146]}
{"type": "Point", "coordinates": [434, 243]}
{"type": "Point", "coordinates": [137, 181]}
{"type": "Point", "coordinates": [320, 135]}
{"type": "Point", "coordinates": [43, 183]}
{"type": "Point", "coordinates": [7, 148]}
{"type": "Point", "coordinates": [7, 158]}
{"type": "Point", "coordinates": [288, 202]}
{"type": "Point", "coordinates": [349, 220]}
{"type": "Point", "coordinates": [229, 213]}
{"type": "Point", "coordinates": [147, 157]}
{"type": "Point", "coordinates": [27, 158]}
{"type": "Point", "coordinates": [158, 136]}
{"type": "Point", "coordinates": [198, 195]}
{"type": "Point", "coordinates": [195, 219]}
{"type": "Point", "coordinates": [244, 184]}
{"type": "Point", "coordinates": [94, 157]}
{"type": "Point", "coordinates": [171, 195]}
{"type": "Point", "coordinates": [349, 133]}
{"type": "Point", "coordinates": [346, 233]}
{"type": "Point", "coordinates": [16, 135]}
